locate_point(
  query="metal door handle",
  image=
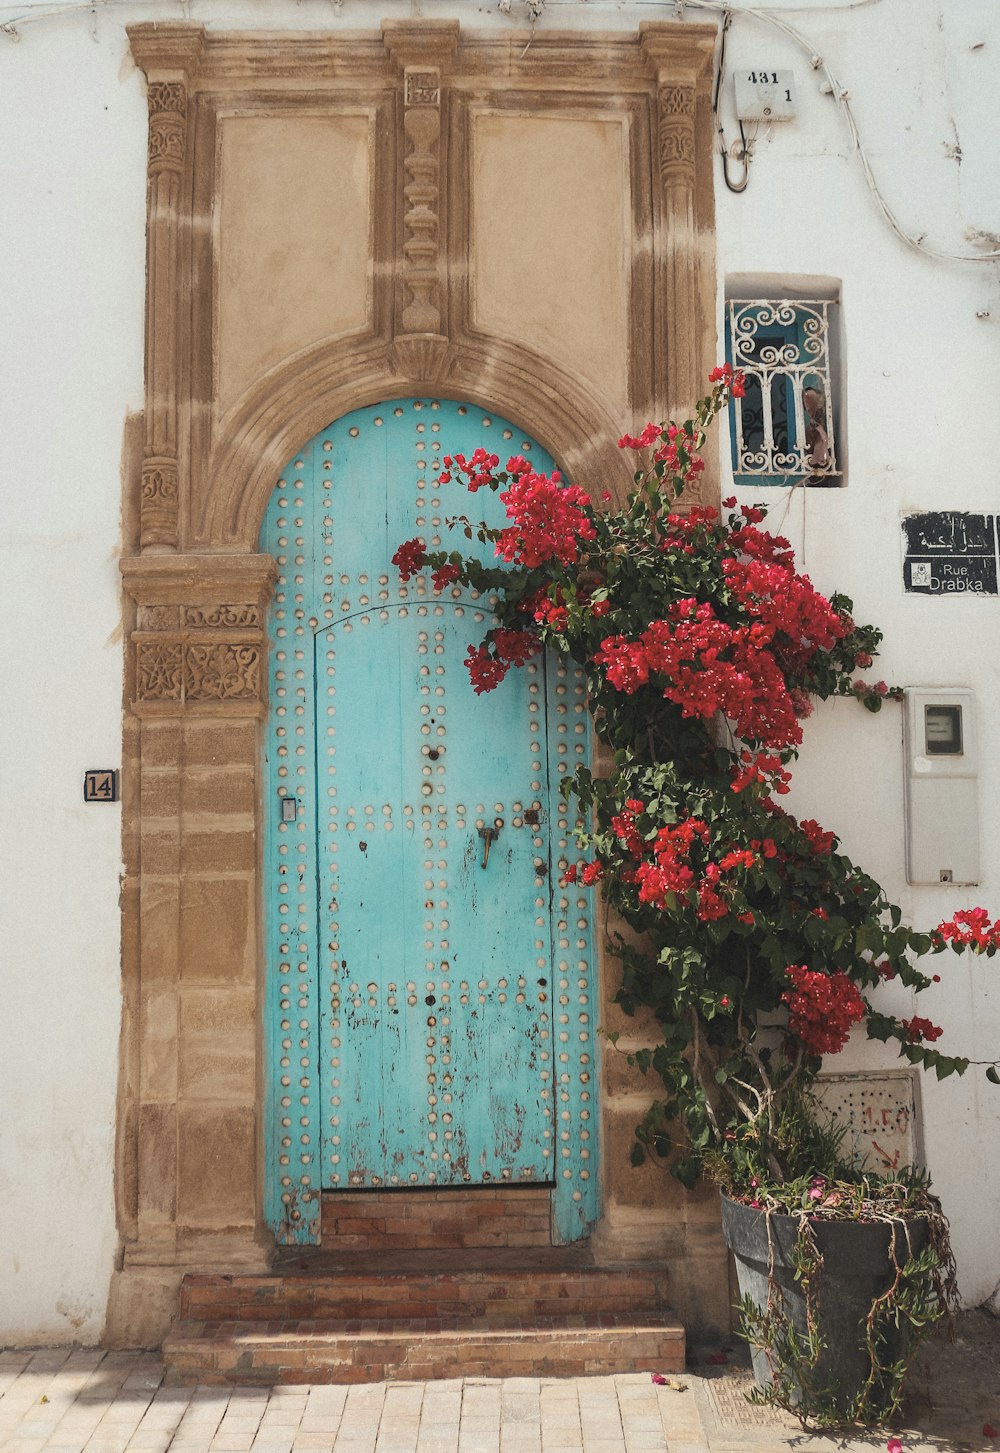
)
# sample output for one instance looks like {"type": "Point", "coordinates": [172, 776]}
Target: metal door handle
{"type": "Point", "coordinates": [487, 834]}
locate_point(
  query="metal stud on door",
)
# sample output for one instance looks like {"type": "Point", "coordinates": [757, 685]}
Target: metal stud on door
{"type": "Point", "coordinates": [431, 1049]}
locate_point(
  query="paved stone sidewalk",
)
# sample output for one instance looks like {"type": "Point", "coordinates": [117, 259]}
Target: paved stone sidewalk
{"type": "Point", "coordinates": [68, 1401]}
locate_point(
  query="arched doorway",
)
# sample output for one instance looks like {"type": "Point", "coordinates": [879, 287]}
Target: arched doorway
{"type": "Point", "coordinates": [428, 996]}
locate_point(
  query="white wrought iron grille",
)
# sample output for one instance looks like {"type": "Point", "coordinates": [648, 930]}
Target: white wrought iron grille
{"type": "Point", "coordinates": [783, 426]}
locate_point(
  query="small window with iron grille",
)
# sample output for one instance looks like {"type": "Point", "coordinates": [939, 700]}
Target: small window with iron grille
{"type": "Point", "coordinates": [783, 429]}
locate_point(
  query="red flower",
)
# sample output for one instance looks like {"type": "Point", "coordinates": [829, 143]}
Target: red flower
{"type": "Point", "coordinates": [822, 1009]}
{"type": "Point", "coordinates": [478, 470]}
{"type": "Point", "coordinates": [409, 558]}
{"type": "Point", "coordinates": [710, 905]}
{"type": "Point", "coordinates": [649, 436]}
{"type": "Point", "coordinates": [763, 767]}
{"type": "Point", "coordinates": [918, 1029]}
{"type": "Point", "coordinates": [970, 928]}
{"type": "Point", "coordinates": [821, 842]}
{"type": "Point", "coordinates": [627, 668]}
{"type": "Point", "coordinates": [514, 648]}
{"type": "Point", "coordinates": [485, 671]}
{"type": "Point", "coordinates": [549, 613]}
{"type": "Point", "coordinates": [549, 521]}
{"type": "Point", "coordinates": [725, 375]}
{"type": "Point", "coordinates": [444, 575]}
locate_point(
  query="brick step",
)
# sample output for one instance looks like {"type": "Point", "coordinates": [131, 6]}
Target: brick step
{"type": "Point", "coordinates": [342, 1350]}
{"type": "Point", "coordinates": [498, 1296]}
{"type": "Point", "coordinates": [405, 1220]}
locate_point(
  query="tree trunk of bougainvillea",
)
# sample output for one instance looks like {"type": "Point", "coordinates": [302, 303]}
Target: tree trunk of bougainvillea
{"type": "Point", "coordinates": [858, 1267]}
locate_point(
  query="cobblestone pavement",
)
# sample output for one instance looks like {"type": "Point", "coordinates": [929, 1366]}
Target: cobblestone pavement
{"type": "Point", "coordinates": [88, 1401]}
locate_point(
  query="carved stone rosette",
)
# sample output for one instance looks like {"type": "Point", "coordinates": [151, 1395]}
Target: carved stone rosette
{"type": "Point", "coordinates": [188, 669]}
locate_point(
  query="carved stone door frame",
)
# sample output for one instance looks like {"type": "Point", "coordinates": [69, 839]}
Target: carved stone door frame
{"type": "Point", "coordinates": [196, 590]}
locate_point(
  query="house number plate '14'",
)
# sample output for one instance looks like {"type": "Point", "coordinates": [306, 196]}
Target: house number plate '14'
{"type": "Point", "coordinates": [100, 785]}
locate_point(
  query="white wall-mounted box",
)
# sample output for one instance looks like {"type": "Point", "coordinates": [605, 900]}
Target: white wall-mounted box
{"type": "Point", "coordinates": [942, 789]}
{"type": "Point", "coordinates": [765, 95]}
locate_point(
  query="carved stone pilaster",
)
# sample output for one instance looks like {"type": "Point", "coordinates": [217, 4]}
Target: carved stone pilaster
{"type": "Point", "coordinates": [681, 62]}
{"type": "Point", "coordinates": [167, 145]}
{"type": "Point", "coordinates": [169, 56]}
{"type": "Point", "coordinates": [422, 127]}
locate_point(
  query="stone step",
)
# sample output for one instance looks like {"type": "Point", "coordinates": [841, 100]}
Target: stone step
{"type": "Point", "coordinates": [371, 1349]}
{"type": "Point", "coordinates": [497, 1296]}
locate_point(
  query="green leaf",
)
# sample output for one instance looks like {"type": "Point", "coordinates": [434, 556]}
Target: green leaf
{"type": "Point", "coordinates": [993, 1075]}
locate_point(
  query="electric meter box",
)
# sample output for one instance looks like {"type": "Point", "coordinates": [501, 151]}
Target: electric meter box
{"type": "Point", "coordinates": [765, 95]}
{"type": "Point", "coordinates": [942, 788]}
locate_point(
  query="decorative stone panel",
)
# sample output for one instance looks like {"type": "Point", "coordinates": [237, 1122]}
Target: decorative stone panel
{"type": "Point", "coordinates": [204, 654]}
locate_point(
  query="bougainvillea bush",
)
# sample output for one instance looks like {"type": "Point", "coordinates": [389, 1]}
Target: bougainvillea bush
{"type": "Point", "coordinates": [754, 940]}
{"type": "Point", "coordinates": [756, 943]}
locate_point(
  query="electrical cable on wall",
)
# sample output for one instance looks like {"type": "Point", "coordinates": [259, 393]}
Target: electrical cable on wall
{"type": "Point", "coordinates": [744, 155]}
{"type": "Point", "coordinates": [841, 95]}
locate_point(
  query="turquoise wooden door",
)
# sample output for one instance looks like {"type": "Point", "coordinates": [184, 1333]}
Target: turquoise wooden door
{"type": "Point", "coordinates": [435, 986]}
{"type": "Point", "coordinates": [420, 953]}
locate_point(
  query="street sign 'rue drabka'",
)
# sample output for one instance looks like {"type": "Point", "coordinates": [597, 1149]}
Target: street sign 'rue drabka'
{"type": "Point", "coordinates": [950, 553]}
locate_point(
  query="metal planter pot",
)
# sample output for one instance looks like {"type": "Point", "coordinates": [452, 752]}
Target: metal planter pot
{"type": "Point", "coordinates": [857, 1268]}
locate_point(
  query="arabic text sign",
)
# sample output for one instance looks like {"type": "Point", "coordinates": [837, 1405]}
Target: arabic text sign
{"type": "Point", "coordinates": [950, 552]}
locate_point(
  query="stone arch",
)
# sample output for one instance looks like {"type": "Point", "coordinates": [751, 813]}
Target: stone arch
{"type": "Point", "coordinates": [292, 403]}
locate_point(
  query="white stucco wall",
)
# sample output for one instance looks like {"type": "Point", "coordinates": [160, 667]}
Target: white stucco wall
{"type": "Point", "coordinates": [923, 432]}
